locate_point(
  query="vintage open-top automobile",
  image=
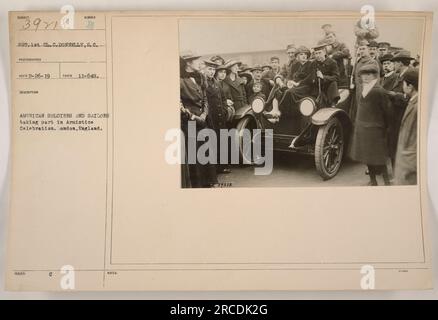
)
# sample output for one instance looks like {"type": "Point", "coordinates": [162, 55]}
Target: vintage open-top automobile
{"type": "Point", "coordinates": [319, 130]}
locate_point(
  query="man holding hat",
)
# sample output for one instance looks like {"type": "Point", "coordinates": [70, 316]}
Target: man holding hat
{"type": "Point", "coordinates": [405, 169]}
{"type": "Point", "coordinates": [369, 143]}
{"type": "Point", "coordinates": [194, 111]}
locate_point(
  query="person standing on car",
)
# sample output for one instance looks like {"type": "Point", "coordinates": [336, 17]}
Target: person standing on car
{"type": "Point", "coordinates": [369, 143]}
{"type": "Point", "coordinates": [339, 52]}
{"type": "Point", "coordinates": [217, 111]}
{"type": "Point", "coordinates": [194, 111]}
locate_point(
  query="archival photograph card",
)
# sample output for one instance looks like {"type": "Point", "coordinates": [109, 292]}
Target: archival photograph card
{"type": "Point", "coordinates": [219, 151]}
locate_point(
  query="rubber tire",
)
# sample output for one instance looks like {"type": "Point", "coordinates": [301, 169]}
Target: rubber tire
{"type": "Point", "coordinates": [320, 138]}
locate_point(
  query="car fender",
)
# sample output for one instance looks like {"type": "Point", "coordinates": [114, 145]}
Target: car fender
{"type": "Point", "coordinates": [244, 111]}
{"type": "Point", "coordinates": [322, 116]}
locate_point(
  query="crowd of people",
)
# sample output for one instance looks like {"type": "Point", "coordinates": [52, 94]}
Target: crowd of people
{"type": "Point", "coordinates": [382, 78]}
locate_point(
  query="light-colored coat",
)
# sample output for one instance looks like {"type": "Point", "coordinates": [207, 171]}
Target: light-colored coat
{"type": "Point", "coordinates": [405, 170]}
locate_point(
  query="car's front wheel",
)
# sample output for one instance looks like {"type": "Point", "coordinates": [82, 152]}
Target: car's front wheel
{"type": "Point", "coordinates": [329, 148]}
{"type": "Point", "coordinates": [245, 129]}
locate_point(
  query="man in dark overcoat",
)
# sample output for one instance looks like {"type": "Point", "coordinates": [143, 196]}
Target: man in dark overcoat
{"type": "Point", "coordinates": [399, 100]}
{"type": "Point", "coordinates": [389, 75]}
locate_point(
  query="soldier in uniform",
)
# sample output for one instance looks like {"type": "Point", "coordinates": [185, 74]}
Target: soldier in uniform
{"type": "Point", "coordinates": [339, 52]}
{"type": "Point", "coordinates": [194, 111]}
{"type": "Point", "coordinates": [327, 73]}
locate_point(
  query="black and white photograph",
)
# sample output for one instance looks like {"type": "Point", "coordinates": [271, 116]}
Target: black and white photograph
{"type": "Point", "coordinates": [299, 102]}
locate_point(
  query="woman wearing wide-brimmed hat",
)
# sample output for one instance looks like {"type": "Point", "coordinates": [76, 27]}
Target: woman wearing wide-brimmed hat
{"type": "Point", "coordinates": [236, 85]}
{"type": "Point", "coordinates": [217, 109]}
{"type": "Point", "coordinates": [194, 111]}
{"type": "Point", "coordinates": [227, 102]}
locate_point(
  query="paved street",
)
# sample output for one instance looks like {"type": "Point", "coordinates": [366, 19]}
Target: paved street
{"type": "Point", "coordinates": [293, 170]}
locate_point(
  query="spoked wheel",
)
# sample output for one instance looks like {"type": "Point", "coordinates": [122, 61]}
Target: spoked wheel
{"type": "Point", "coordinates": [329, 149]}
{"type": "Point", "coordinates": [245, 129]}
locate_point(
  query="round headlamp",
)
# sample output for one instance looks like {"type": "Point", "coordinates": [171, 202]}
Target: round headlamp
{"type": "Point", "coordinates": [258, 105]}
{"type": "Point", "coordinates": [307, 107]}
